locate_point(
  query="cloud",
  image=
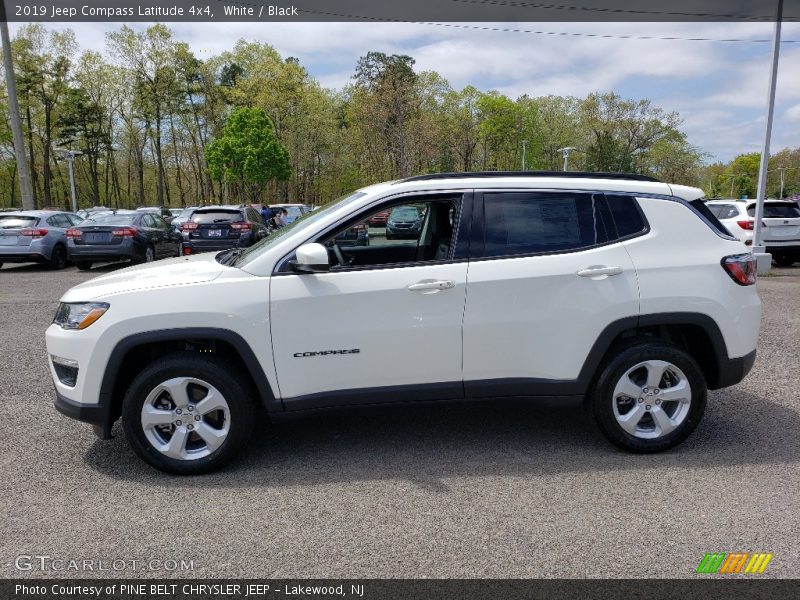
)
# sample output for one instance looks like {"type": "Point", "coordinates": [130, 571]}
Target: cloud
{"type": "Point", "coordinates": [718, 87]}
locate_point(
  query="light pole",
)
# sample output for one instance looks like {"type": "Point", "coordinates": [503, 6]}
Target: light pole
{"type": "Point", "coordinates": [764, 259]}
{"type": "Point", "coordinates": [70, 155]}
{"type": "Point", "coordinates": [524, 144]}
{"type": "Point", "coordinates": [565, 153]}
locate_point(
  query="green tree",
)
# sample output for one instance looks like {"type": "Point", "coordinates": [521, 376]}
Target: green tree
{"type": "Point", "coordinates": [248, 155]}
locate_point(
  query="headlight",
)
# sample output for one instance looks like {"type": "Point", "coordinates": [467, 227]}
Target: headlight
{"type": "Point", "coordinates": [79, 315]}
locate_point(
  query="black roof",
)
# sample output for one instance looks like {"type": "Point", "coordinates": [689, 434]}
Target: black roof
{"type": "Point", "coordinates": [569, 174]}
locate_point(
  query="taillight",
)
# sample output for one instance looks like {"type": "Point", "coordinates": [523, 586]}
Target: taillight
{"type": "Point", "coordinates": [186, 250]}
{"type": "Point", "coordinates": [241, 225]}
{"type": "Point", "coordinates": [33, 232]}
{"type": "Point", "coordinates": [741, 268]}
{"type": "Point", "coordinates": [74, 233]}
{"type": "Point", "coordinates": [125, 232]}
{"type": "Point", "coordinates": [188, 226]}
{"type": "Point", "coordinates": [748, 225]}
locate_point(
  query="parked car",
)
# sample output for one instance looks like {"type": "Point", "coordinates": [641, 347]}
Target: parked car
{"type": "Point", "coordinates": [617, 289]}
{"type": "Point", "coordinates": [379, 219]}
{"type": "Point", "coordinates": [182, 215]}
{"type": "Point", "coordinates": [403, 222]}
{"type": "Point", "coordinates": [162, 211]}
{"type": "Point", "coordinates": [215, 228]}
{"type": "Point", "coordinates": [138, 236]}
{"type": "Point", "coordinates": [86, 212]}
{"type": "Point", "coordinates": [780, 225]}
{"type": "Point", "coordinates": [35, 236]}
{"type": "Point", "coordinates": [295, 211]}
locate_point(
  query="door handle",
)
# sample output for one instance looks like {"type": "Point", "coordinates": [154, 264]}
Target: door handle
{"type": "Point", "coordinates": [427, 285]}
{"type": "Point", "coordinates": [600, 271]}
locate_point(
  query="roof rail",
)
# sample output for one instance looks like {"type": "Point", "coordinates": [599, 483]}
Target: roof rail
{"type": "Point", "coordinates": [489, 174]}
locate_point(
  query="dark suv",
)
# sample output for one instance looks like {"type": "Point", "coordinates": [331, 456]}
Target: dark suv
{"type": "Point", "coordinates": [222, 227]}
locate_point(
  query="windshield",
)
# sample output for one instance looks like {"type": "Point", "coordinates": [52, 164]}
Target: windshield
{"type": "Point", "coordinates": [15, 221]}
{"type": "Point", "coordinates": [296, 226]}
{"type": "Point", "coordinates": [406, 213]}
{"type": "Point", "coordinates": [110, 219]}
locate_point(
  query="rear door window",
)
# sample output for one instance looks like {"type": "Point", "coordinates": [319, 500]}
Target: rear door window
{"type": "Point", "coordinates": [520, 223]}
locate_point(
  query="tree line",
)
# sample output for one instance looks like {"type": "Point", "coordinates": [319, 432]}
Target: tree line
{"type": "Point", "coordinates": [158, 125]}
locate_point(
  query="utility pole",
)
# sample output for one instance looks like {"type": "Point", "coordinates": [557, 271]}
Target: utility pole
{"type": "Point", "coordinates": [25, 188]}
{"type": "Point", "coordinates": [565, 153]}
{"type": "Point", "coordinates": [70, 155]}
{"type": "Point", "coordinates": [524, 144]}
{"type": "Point", "coordinates": [763, 259]}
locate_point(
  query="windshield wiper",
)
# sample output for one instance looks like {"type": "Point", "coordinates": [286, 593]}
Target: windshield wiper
{"type": "Point", "coordinates": [226, 257]}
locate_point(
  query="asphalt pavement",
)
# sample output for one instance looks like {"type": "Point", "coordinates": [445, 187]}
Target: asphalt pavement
{"type": "Point", "coordinates": [489, 489]}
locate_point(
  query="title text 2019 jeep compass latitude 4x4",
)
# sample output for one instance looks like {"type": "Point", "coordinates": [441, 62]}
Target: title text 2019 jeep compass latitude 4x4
{"type": "Point", "coordinates": [619, 289]}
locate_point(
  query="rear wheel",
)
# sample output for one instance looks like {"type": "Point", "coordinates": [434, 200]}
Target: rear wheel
{"type": "Point", "coordinates": [83, 265]}
{"type": "Point", "coordinates": [188, 415]}
{"type": "Point", "coordinates": [58, 258]}
{"type": "Point", "coordinates": [784, 260]}
{"type": "Point", "coordinates": [649, 397]}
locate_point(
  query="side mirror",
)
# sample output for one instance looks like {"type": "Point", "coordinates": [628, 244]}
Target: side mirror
{"type": "Point", "coordinates": [311, 258]}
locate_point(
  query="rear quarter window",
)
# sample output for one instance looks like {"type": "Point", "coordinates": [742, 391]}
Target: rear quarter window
{"type": "Point", "coordinates": [628, 219]}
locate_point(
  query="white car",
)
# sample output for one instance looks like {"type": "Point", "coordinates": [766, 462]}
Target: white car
{"type": "Point", "coordinates": [780, 225]}
{"type": "Point", "coordinates": [618, 289]}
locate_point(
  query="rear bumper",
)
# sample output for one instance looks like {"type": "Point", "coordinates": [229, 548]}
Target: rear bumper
{"type": "Point", "coordinates": [783, 246]}
{"type": "Point", "coordinates": [104, 253]}
{"type": "Point", "coordinates": [23, 257]}
{"type": "Point", "coordinates": [215, 245]}
{"type": "Point", "coordinates": [733, 370]}
{"type": "Point", "coordinates": [97, 415]}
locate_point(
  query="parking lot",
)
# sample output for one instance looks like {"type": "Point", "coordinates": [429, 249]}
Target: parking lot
{"type": "Point", "coordinates": [487, 489]}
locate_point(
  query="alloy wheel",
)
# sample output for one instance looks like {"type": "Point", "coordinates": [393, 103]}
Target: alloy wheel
{"type": "Point", "coordinates": [185, 418]}
{"type": "Point", "coordinates": [651, 399]}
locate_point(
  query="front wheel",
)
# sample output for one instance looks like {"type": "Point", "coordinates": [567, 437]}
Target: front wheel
{"type": "Point", "coordinates": [649, 397]}
{"type": "Point", "coordinates": [188, 415]}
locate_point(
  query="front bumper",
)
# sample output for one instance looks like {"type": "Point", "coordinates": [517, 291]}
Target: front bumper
{"type": "Point", "coordinates": [97, 415]}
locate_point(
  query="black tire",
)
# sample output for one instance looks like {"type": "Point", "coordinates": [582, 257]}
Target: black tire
{"type": "Point", "coordinates": [149, 254]}
{"type": "Point", "coordinates": [783, 260]}
{"type": "Point", "coordinates": [225, 377]}
{"type": "Point", "coordinates": [601, 402]}
{"type": "Point", "coordinates": [58, 257]}
{"type": "Point", "coordinates": [83, 265]}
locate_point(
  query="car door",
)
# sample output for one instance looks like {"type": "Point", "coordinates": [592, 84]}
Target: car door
{"type": "Point", "coordinates": [546, 277]}
{"type": "Point", "coordinates": [170, 239]}
{"type": "Point", "coordinates": [375, 331]}
{"type": "Point", "coordinates": [154, 234]}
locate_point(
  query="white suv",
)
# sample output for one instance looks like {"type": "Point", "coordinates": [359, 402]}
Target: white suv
{"type": "Point", "coordinates": [618, 289]}
{"type": "Point", "coordinates": [780, 225]}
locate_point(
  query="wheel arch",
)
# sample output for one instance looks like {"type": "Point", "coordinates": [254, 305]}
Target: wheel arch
{"type": "Point", "coordinates": [133, 352]}
{"type": "Point", "coordinates": [696, 333]}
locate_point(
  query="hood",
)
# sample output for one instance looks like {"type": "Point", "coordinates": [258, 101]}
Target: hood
{"type": "Point", "coordinates": [164, 273]}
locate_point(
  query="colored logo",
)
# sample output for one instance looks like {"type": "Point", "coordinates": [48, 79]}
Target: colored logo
{"type": "Point", "coordinates": [734, 562]}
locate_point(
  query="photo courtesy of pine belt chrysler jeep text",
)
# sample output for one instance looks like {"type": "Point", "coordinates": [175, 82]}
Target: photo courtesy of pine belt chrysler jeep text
{"type": "Point", "coordinates": [618, 289]}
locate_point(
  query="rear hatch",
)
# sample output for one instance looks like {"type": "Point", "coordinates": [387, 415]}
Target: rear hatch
{"type": "Point", "coordinates": [14, 227]}
{"type": "Point", "coordinates": [215, 225]}
{"type": "Point", "coordinates": [781, 221]}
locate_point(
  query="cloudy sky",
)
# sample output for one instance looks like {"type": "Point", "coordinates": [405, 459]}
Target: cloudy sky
{"type": "Point", "coordinates": [719, 88]}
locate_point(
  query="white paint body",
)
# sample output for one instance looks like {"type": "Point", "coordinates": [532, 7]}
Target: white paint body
{"type": "Point", "coordinates": [529, 317]}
